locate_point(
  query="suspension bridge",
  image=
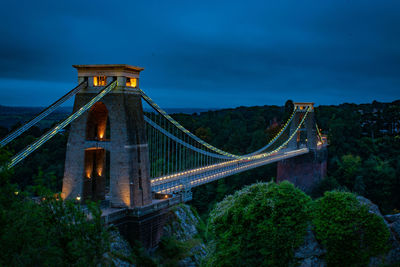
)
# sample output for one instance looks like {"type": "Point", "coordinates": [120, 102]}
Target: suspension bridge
{"type": "Point", "coordinates": [126, 150]}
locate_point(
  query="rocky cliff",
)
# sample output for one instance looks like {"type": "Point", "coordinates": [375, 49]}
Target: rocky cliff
{"type": "Point", "coordinates": [184, 226]}
{"type": "Point", "coordinates": [311, 253]}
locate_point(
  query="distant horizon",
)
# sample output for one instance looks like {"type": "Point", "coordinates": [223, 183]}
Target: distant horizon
{"type": "Point", "coordinates": [215, 108]}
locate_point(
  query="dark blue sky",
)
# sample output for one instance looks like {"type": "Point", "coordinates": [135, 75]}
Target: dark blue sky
{"type": "Point", "coordinates": [206, 54]}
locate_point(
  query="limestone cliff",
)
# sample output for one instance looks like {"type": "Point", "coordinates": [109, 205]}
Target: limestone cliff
{"type": "Point", "coordinates": [311, 253]}
{"type": "Point", "coordinates": [184, 226]}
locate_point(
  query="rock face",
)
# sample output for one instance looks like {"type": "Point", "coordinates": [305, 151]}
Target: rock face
{"type": "Point", "coordinates": [309, 254]}
{"type": "Point", "coordinates": [184, 226]}
{"type": "Point", "coordinates": [393, 223]}
{"type": "Point", "coordinates": [394, 254]}
{"type": "Point", "coordinates": [121, 249]}
{"type": "Point", "coordinates": [395, 227]}
{"type": "Point", "coordinates": [392, 218]}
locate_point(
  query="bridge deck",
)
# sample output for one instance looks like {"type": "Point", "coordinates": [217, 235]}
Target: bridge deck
{"type": "Point", "coordinates": [192, 178]}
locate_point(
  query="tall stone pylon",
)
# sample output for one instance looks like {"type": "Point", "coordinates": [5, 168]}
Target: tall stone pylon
{"type": "Point", "coordinates": [107, 152]}
{"type": "Point", "coordinates": [307, 134]}
{"type": "Point", "coordinates": [307, 170]}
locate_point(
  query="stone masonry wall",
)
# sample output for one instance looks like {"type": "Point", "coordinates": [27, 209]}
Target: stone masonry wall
{"type": "Point", "coordinates": [305, 170]}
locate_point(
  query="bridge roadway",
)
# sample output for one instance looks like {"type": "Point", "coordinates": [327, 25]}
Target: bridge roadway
{"type": "Point", "coordinates": [188, 179]}
{"type": "Point", "coordinates": [185, 180]}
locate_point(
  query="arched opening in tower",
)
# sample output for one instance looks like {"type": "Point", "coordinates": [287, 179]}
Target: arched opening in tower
{"type": "Point", "coordinates": [301, 137]}
{"type": "Point", "coordinates": [96, 175]}
{"type": "Point", "coordinates": [97, 127]}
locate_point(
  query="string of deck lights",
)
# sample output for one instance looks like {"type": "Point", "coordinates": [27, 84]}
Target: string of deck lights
{"type": "Point", "coordinates": [183, 175]}
{"type": "Point", "coordinates": [207, 145]}
{"type": "Point", "coordinates": [157, 153]}
{"type": "Point", "coordinates": [202, 169]}
{"type": "Point", "coordinates": [319, 133]}
{"type": "Point", "coordinates": [217, 175]}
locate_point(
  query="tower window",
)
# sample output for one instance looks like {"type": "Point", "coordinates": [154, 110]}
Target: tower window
{"type": "Point", "coordinates": [131, 82]}
{"type": "Point", "coordinates": [100, 80]}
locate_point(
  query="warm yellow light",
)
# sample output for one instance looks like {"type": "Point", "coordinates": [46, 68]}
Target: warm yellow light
{"type": "Point", "coordinates": [78, 198]}
{"type": "Point", "coordinates": [131, 82]}
{"type": "Point", "coordinates": [99, 80]}
{"type": "Point", "coordinates": [101, 129]}
{"type": "Point", "coordinates": [16, 193]}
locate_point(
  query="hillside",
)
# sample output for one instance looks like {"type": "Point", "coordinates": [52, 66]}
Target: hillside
{"type": "Point", "coordinates": [363, 152]}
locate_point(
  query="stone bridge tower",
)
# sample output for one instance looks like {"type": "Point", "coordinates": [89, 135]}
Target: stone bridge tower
{"type": "Point", "coordinates": [107, 153]}
{"type": "Point", "coordinates": [306, 170]}
{"type": "Point", "coordinates": [307, 134]}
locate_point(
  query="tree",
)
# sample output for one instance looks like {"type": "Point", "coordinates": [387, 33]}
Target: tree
{"type": "Point", "coordinates": [327, 184]}
{"type": "Point", "coordinates": [261, 224]}
{"type": "Point", "coordinates": [350, 233]}
{"type": "Point", "coordinates": [51, 232]}
{"type": "Point", "coordinates": [289, 107]}
{"type": "Point", "coordinates": [349, 169]}
{"type": "Point", "coordinates": [380, 181]}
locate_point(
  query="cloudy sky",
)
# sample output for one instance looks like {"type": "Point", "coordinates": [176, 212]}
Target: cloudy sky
{"type": "Point", "coordinates": [209, 54]}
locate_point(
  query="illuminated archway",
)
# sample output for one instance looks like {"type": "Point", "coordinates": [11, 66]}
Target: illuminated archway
{"type": "Point", "coordinates": [96, 174]}
{"type": "Point", "coordinates": [97, 127]}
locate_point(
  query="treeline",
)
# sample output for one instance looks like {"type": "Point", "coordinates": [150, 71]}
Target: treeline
{"type": "Point", "coordinates": [266, 224]}
{"type": "Point", "coordinates": [364, 150]}
{"type": "Point", "coordinates": [46, 164]}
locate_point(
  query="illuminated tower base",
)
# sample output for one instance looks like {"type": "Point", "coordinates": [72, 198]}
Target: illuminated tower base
{"type": "Point", "coordinates": [107, 154]}
{"type": "Point", "coordinates": [306, 170]}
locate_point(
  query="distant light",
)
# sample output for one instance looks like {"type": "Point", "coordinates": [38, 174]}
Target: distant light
{"type": "Point", "coordinates": [131, 82]}
{"type": "Point", "coordinates": [16, 193]}
{"type": "Point", "coordinates": [99, 80]}
{"type": "Point", "coordinates": [78, 198]}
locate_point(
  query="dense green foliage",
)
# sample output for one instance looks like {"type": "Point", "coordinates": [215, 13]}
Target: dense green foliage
{"type": "Point", "coordinates": [364, 157]}
{"type": "Point", "coordinates": [47, 233]}
{"type": "Point", "coordinates": [364, 151]}
{"type": "Point", "coordinates": [171, 251]}
{"type": "Point", "coordinates": [241, 130]}
{"type": "Point", "coordinates": [47, 163]}
{"type": "Point", "coordinates": [369, 132]}
{"type": "Point", "coordinates": [348, 231]}
{"type": "Point", "coordinates": [260, 225]}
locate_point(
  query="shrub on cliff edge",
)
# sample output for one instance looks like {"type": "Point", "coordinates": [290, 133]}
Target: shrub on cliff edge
{"type": "Point", "coordinates": [260, 225]}
{"type": "Point", "coordinates": [349, 232]}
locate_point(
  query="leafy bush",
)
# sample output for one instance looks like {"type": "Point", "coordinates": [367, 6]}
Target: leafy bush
{"type": "Point", "coordinates": [327, 184]}
{"type": "Point", "coordinates": [261, 224]}
{"type": "Point", "coordinates": [350, 233]}
{"type": "Point", "coordinates": [171, 250]}
{"type": "Point", "coordinates": [50, 233]}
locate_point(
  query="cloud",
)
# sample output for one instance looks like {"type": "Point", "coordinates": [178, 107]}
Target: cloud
{"type": "Point", "coordinates": [322, 51]}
